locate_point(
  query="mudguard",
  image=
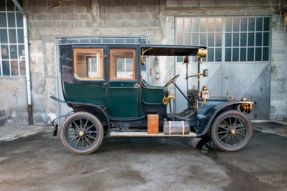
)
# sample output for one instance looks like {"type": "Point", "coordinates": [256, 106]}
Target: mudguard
{"type": "Point", "coordinates": [213, 113]}
{"type": "Point", "coordinates": [82, 106]}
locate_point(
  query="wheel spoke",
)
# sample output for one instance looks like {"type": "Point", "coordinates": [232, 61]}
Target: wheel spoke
{"type": "Point", "coordinates": [242, 135]}
{"type": "Point", "coordinates": [226, 123]}
{"type": "Point", "coordinates": [90, 127]}
{"type": "Point", "coordinates": [76, 125]}
{"type": "Point", "coordinates": [223, 132]}
{"type": "Point", "coordinates": [91, 137]}
{"type": "Point", "coordinates": [88, 140]}
{"type": "Point", "coordinates": [234, 124]}
{"type": "Point", "coordinates": [73, 134]}
{"type": "Point", "coordinates": [228, 138]}
{"type": "Point", "coordinates": [90, 132]}
{"type": "Point", "coordinates": [231, 139]}
{"type": "Point", "coordinates": [86, 124]}
{"type": "Point", "coordinates": [242, 127]}
{"type": "Point", "coordinates": [221, 138]}
{"type": "Point", "coordinates": [237, 138]}
{"type": "Point", "coordinates": [230, 122]}
{"type": "Point", "coordinates": [83, 139]}
{"type": "Point", "coordinates": [78, 141]}
{"type": "Point", "coordinates": [76, 137]}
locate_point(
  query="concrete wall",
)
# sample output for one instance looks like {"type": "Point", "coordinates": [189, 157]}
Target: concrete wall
{"type": "Point", "coordinates": [278, 69]}
{"type": "Point", "coordinates": [13, 107]}
{"type": "Point", "coordinates": [49, 19]}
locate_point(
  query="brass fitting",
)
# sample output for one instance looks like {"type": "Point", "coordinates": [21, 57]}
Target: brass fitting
{"type": "Point", "coordinates": [166, 100]}
{"type": "Point", "coordinates": [246, 106]}
{"type": "Point", "coordinates": [201, 53]}
{"type": "Point", "coordinates": [204, 94]}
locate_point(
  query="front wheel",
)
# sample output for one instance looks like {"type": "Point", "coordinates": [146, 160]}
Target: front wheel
{"type": "Point", "coordinates": [82, 133]}
{"type": "Point", "coordinates": [231, 131]}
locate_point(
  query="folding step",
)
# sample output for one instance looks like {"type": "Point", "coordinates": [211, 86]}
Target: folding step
{"type": "Point", "coordinates": [145, 134]}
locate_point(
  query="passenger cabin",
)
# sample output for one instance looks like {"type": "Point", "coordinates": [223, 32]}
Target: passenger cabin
{"type": "Point", "coordinates": [109, 76]}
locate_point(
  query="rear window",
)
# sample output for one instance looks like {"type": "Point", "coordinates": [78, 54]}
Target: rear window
{"type": "Point", "coordinates": [89, 63]}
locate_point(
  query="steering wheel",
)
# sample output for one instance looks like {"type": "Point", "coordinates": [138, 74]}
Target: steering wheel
{"type": "Point", "coordinates": [171, 80]}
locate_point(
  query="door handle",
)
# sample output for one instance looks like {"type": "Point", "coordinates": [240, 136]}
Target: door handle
{"type": "Point", "coordinates": [105, 84]}
{"type": "Point", "coordinates": [137, 85]}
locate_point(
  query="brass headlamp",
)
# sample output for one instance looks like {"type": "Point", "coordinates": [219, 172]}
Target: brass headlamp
{"type": "Point", "coordinates": [201, 53]}
{"type": "Point", "coordinates": [246, 106]}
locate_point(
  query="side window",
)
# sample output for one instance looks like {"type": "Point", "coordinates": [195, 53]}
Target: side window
{"type": "Point", "coordinates": [89, 63]}
{"type": "Point", "coordinates": [122, 64]}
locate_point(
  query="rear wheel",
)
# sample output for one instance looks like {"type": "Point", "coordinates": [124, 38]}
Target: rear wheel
{"type": "Point", "coordinates": [82, 133]}
{"type": "Point", "coordinates": [231, 131]}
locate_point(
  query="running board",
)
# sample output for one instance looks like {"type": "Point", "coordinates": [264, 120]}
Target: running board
{"type": "Point", "coordinates": [145, 134]}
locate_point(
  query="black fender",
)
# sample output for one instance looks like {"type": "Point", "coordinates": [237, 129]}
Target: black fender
{"type": "Point", "coordinates": [97, 110]}
{"type": "Point", "coordinates": [213, 113]}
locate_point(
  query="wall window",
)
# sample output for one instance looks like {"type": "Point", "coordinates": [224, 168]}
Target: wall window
{"type": "Point", "coordinates": [229, 39]}
{"type": "Point", "coordinates": [12, 54]}
{"type": "Point", "coordinates": [122, 64]}
{"type": "Point", "coordinates": [89, 63]}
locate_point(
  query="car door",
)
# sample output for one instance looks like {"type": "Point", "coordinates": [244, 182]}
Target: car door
{"type": "Point", "coordinates": [123, 89]}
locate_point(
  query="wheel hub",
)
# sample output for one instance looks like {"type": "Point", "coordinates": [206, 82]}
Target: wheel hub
{"type": "Point", "coordinates": [233, 132]}
{"type": "Point", "coordinates": [81, 133]}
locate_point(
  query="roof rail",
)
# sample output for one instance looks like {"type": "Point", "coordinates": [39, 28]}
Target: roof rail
{"type": "Point", "coordinates": [102, 40]}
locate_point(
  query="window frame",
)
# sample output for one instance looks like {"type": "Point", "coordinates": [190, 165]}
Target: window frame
{"type": "Point", "coordinates": [112, 68]}
{"type": "Point", "coordinates": [99, 51]}
{"type": "Point", "coordinates": [224, 31]}
{"type": "Point", "coordinates": [17, 28]}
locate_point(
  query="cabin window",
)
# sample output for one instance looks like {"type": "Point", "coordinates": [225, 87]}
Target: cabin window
{"type": "Point", "coordinates": [122, 64]}
{"type": "Point", "coordinates": [89, 64]}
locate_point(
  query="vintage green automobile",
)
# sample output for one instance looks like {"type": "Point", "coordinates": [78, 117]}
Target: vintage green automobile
{"type": "Point", "coordinates": [102, 83]}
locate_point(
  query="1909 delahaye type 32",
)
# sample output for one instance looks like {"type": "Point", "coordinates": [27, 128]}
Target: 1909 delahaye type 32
{"type": "Point", "coordinates": [103, 85]}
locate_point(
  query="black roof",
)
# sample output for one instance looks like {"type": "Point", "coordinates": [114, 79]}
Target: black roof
{"type": "Point", "coordinates": [170, 50]}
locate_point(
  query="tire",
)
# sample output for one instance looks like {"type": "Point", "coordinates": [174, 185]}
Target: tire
{"type": "Point", "coordinates": [231, 131]}
{"type": "Point", "coordinates": [205, 144]}
{"type": "Point", "coordinates": [82, 133]}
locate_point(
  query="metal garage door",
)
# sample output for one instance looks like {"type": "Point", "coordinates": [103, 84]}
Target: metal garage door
{"type": "Point", "coordinates": [238, 57]}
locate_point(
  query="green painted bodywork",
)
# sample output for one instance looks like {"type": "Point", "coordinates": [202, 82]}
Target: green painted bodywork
{"type": "Point", "coordinates": [93, 93]}
{"type": "Point", "coordinates": [152, 95]}
{"type": "Point", "coordinates": [123, 100]}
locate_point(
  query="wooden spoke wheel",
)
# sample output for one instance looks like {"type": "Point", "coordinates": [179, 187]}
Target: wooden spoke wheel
{"type": "Point", "coordinates": [206, 145]}
{"type": "Point", "coordinates": [231, 131]}
{"type": "Point", "coordinates": [82, 133]}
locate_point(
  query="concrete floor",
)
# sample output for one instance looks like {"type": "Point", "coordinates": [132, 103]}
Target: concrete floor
{"type": "Point", "coordinates": [39, 162]}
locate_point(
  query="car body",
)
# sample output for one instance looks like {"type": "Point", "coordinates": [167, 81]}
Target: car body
{"type": "Point", "coordinates": [103, 85]}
